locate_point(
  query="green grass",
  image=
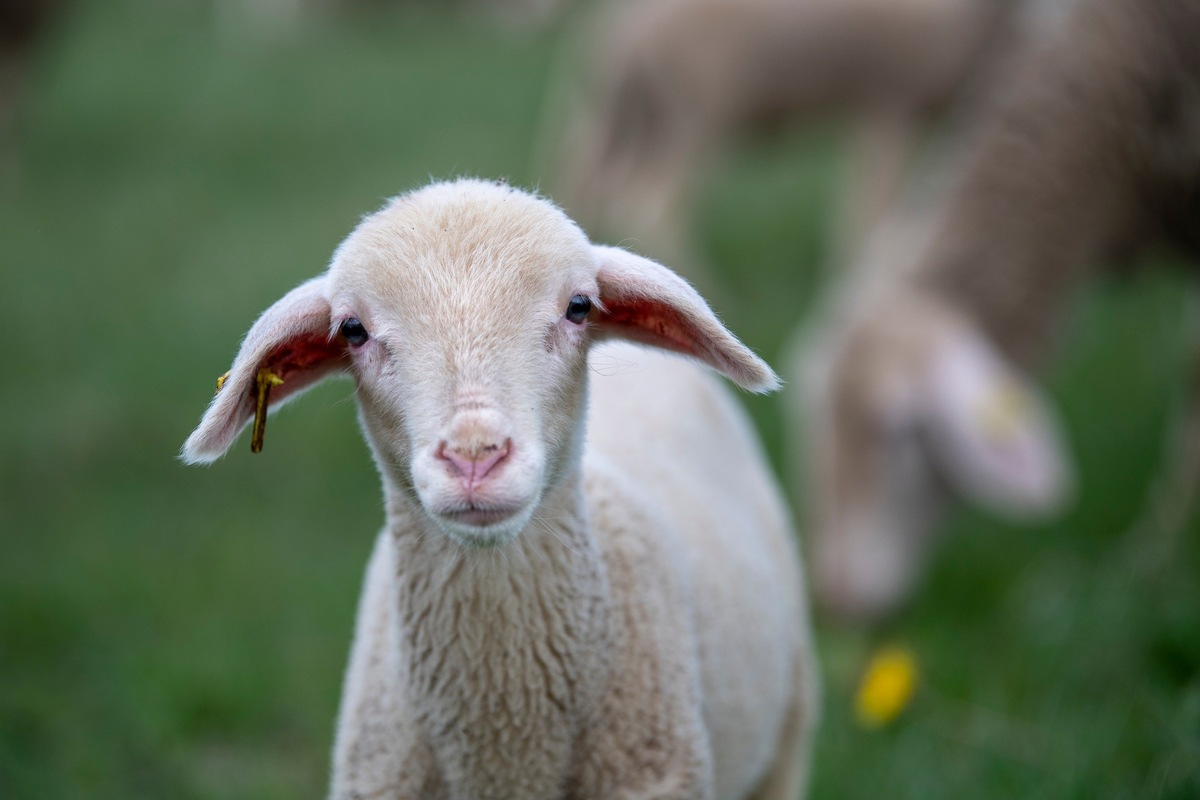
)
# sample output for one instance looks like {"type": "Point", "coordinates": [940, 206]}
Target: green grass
{"type": "Point", "coordinates": [172, 632]}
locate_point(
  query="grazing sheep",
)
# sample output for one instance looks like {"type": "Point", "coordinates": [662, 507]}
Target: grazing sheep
{"type": "Point", "coordinates": [1089, 153]}
{"type": "Point", "coordinates": [676, 79]}
{"type": "Point", "coordinates": [546, 614]}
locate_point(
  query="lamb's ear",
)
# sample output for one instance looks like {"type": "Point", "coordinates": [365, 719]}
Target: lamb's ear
{"type": "Point", "coordinates": [285, 352]}
{"type": "Point", "coordinates": [994, 433]}
{"type": "Point", "coordinates": [645, 302]}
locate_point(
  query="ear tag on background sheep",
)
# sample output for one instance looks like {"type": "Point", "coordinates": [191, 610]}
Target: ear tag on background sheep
{"type": "Point", "coordinates": [1003, 411]}
{"type": "Point", "coordinates": [263, 381]}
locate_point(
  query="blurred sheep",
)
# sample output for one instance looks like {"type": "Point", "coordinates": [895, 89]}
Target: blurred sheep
{"type": "Point", "coordinates": [673, 81]}
{"type": "Point", "coordinates": [915, 386]}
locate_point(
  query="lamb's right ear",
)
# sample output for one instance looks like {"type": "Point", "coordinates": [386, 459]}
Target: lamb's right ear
{"type": "Point", "coordinates": [995, 434]}
{"type": "Point", "coordinates": [645, 302]}
{"type": "Point", "coordinates": [289, 349]}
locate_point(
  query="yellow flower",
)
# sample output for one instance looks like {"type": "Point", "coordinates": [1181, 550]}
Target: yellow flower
{"type": "Point", "coordinates": [887, 686]}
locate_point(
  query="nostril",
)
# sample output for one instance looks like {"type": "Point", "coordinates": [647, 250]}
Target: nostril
{"type": "Point", "coordinates": [491, 456]}
{"type": "Point", "coordinates": [476, 462]}
{"type": "Point", "coordinates": [444, 455]}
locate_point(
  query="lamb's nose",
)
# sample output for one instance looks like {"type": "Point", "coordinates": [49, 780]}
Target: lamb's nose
{"type": "Point", "coordinates": [472, 464]}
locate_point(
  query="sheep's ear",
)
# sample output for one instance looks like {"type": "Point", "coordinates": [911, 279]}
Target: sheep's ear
{"type": "Point", "coordinates": [645, 302]}
{"type": "Point", "coordinates": [997, 438]}
{"type": "Point", "coordinates": [285, 352]}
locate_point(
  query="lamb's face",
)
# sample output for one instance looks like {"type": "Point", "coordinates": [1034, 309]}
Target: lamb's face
{"type": "Point", "coordinates": [465, 315]}
{"type": "Point", "coordinates": [464, 312]}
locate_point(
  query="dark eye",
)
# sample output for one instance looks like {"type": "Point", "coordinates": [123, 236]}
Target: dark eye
{"type": "Point", "coordinates": [354, 332]}
{"type": "Point", "coordinates": [578, 309]}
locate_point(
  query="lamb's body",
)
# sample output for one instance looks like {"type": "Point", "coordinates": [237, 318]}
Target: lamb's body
{"type": "Point", "coordinates": [666, 540]}
{"type": "Point", "coordinates": [706, 448]}
{"type": "Point", "coordinates": [1087, 154]}
{"type": "Point", "coordinates": [544, 618]}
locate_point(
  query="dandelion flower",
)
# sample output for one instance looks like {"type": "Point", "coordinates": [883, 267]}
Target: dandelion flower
{"type": "Point", "coordinates": [887, 686]}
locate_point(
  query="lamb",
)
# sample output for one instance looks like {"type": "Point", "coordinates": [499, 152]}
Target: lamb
{"type": "Point", "coordinates": [548, 613]}
{"type": "Point", "coordinates": [678, 79]}
{"type": "Point", "coordinates": [917, 386]}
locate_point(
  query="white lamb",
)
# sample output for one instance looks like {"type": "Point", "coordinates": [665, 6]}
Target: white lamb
{"type": "Point", "coordinates": [545, 618]}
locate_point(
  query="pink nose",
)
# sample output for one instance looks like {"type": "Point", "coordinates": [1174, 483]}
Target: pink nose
{"type": "Point", "coordinates": [473, 464]}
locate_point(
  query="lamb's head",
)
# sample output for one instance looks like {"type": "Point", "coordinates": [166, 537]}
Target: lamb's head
{"type": "Point", "coordinates": [908, 405]}
{"type": "Point", "coordinates": [464, 312]}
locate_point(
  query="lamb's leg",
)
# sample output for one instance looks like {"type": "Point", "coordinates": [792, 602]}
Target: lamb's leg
{"type": "Point", "coordinates": [378, 752]}
{"type": "Point", "coordinates": [638, 757]}
{"type": "Point", "coordinates": [787, 776]}
{"type": "Point", "coordinates": [648, 740]}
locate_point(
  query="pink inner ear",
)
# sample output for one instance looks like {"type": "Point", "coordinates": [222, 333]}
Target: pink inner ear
{"type": "Point", "coordinates": [302, 354]}
{"type": "Point", "coordinates": [651, 322]}
{"type": "Point", "coordinates": [300, 361]}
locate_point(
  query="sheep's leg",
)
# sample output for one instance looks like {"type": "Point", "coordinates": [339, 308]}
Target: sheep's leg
{"type": "Point", "coordinates": [628, 169]}
{"type": "Point", "coordinates": [647, 753]}
{"type": "Point", "coordinates": [378, 752]}
{"type": "Point", "coordinates": [787, 775]}
{"type": "Point", "coordinates": [647, 740]}
{"type": "Point", "coordinates": [879, 156]}
{"type": "Point", "coordinates": [649, 198]}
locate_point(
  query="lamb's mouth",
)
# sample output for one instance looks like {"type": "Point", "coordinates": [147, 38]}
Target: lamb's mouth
{"type": "Point", "coordinates": [480, 516]}
{"type": "Point", "coordinates": [482, 524]}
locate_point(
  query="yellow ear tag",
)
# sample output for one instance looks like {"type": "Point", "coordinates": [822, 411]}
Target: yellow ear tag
{"type": "Point", "coordinates": [264, 380]}
{"type": "Point", "coordinates": [1002, 412]}
{"type": "Point", "coordinates": [221, 382]}
{"type": "Point", "coordinates": [887, 686]}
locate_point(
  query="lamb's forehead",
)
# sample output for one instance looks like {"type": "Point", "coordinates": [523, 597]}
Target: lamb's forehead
{"type": "Point", "coordinates": [466, 234]}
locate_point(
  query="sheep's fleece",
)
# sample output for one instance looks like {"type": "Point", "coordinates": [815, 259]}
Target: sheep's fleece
{"type": "Point", "coordinates": [549, 612]}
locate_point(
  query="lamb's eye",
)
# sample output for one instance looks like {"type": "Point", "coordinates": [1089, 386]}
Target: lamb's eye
{"type": "Point", "coordinates": [353, 332]}
{"type": "Point", "coordinates": [578, 309]}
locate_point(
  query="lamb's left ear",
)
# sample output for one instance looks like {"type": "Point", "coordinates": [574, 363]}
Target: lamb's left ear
{"type": "Point", "coordinates": [645, 302]}
{"type": "Point", "coordinates": [286, 351]}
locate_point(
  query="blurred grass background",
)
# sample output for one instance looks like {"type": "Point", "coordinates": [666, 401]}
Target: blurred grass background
{"type": "Point", "coordinates": [172, 632]}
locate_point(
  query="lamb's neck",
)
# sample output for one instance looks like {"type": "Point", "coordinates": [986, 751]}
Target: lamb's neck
{"type": "Point", "coordinates": [501, 642]}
